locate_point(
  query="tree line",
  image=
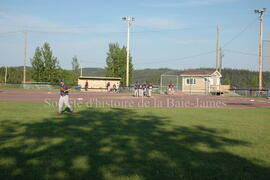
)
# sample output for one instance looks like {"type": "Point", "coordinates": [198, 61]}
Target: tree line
{"type": "Point", "coordinates": [46, 68]}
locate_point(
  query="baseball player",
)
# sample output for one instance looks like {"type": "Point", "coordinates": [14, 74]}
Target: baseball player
{"type": "Point", "coordinates": [64, 98]}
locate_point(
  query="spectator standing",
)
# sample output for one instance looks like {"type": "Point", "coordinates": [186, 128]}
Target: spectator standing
{"type": "Point", "coordinates": [172, 88]}
{"type": "Point", "coordinates": [86, 86]}
{"type": "Point", "coordinates": [117, 87]}
{"type": "Point", "coordinates": [150, 88]}
{"type": "Point", "coordinates": [114, 88]}
{"type": "Point", "coordinates": [108, 86]}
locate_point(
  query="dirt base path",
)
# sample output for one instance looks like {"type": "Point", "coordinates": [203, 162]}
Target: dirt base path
{"type": "Point", "coordinates": [99, 99]}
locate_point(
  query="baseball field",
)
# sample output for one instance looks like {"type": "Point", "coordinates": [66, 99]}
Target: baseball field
{"type": "Point", "coordinates": [132, 142]}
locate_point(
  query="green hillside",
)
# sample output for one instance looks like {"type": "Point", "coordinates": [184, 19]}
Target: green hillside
{"type": "Point", "coordinates": [235, 77]}
{"type": "Point", "coordinates": [96, 72]}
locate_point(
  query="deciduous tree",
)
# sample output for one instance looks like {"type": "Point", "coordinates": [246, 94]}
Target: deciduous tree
{"type": "Point", "coordinates": [116, 63]}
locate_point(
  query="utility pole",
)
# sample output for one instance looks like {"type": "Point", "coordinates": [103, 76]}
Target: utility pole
{"type": "Point", "coordinates": [220, 59]}
{"type": "Point", "coordinates": [217, 48]}
{"type": "Point", "coordinates": [81, 70]}
{"type": "Point", "coordinates": [129, 21]}
{"type": "Point", "coordinates": [6, 75]}
{"type": "Point", "coordinates": [24, 66]}
{"type": "Point", "coordinates": [260, 12]}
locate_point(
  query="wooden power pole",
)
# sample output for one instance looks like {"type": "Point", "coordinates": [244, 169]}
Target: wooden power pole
{"type": "Point", "coordinates": [220, 59]}
{"type": "Point", "coordinates": [217, 48]}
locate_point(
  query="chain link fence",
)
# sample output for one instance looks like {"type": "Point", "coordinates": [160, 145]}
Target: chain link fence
{"type": "Point", "coordinates": [252, 92]}
{"type": "Point", "coordinates": [38, 86]}
{"type": "Point", "coordinates": [195, 85]}
{"type": "Point", "coordinates": [166, 80]}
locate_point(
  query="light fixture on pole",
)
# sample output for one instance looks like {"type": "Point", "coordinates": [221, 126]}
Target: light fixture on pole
{"type": "Point", "coordinates": [129, 20]}
{"type": "Point", "coordinates": [260, 12]}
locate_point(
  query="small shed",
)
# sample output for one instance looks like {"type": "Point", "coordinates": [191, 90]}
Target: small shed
{"type": "Point", "coordinates": [201, 81]}
{"type": "Point", "coordinates": [97, 83]}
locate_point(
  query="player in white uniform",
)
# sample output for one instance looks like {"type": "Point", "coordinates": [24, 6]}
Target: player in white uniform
{"type": "Point", "coordinates": [64, 98]}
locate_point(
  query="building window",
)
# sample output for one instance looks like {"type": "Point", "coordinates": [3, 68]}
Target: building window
{"type": "Point", "coordinates": [191, 81]}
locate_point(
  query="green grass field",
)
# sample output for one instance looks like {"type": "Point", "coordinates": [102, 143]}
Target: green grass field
{"type": "Point", "coordinates": [133, 143]}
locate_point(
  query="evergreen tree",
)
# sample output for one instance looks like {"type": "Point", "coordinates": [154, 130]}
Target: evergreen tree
{"type": "Point", "coordinates": [254, 82]}
{"type": "Point", "coordinates": [45, 66]}
{"type": "Point", "coordinates": [227, 81]}
{"type": "Point", "coordinates": [37, 66]}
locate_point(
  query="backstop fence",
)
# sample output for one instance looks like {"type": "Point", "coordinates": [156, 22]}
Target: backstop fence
{"type": "Point", "coordinates": [174, 80]}
{"type": "Point", "coordinates": [206, 88]}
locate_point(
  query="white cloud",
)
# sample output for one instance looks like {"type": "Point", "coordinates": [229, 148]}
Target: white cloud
{"type": "Point", "coordinates": [20, 22]}
{"type": "Point", "coordinates": [188, 3]}
{"type": "Point", "coordinates": [159, 23]}
{"type": "Point", "coordinates": [14, 22]}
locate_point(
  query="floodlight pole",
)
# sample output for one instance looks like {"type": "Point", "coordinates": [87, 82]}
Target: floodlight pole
{"type": "Point", "coordinates": [129, 21]}
{"type": "Point", "coordinates": [128, 44]}
{"type": "Point", "coordinates": [81, 70]}
{"type": "Point", "coordinates": [260, 12]}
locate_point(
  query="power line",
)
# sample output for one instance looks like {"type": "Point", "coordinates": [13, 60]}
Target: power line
{"type": "Point", "coordinates": [9, 32]}
{"type": "Point", "coordinates": [83, 29]}
{"type": "Point", "coordinates": [239, 34]}
{"type": "Point", "coordinates": [241, 52]}
{"type": "Point", "coordinates": [182, 58]}
{"type": "Point", "coordinates": [171, 30]}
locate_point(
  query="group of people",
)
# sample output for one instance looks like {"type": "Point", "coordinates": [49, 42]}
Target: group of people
{"type": "Point", "coordinates": [170, 88]}
{"type": "Point", "coordinates": [140, 90]}
{"type": "Point", "coordinates": [143, 89]}
{"type": "Point", "coordinates": [114, 88]}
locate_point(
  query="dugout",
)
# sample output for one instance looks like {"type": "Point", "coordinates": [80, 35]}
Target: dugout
{"type": "Point", "coordinates": [97, 83]}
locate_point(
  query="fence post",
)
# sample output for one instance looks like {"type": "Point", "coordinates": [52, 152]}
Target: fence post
{"type": "Point", "coordinates": [204, 86]}
{"type": "Point", "coordinates": [160, 91]}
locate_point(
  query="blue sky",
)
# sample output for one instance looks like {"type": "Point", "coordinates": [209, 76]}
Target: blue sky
{"type": "Point", "coordinates": [176, 34]}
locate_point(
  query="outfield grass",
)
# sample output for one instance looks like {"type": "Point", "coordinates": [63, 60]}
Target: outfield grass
{"type": "Point", "coordinates": [133, 143]}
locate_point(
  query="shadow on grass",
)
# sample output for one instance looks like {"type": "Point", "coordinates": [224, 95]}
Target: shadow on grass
{"type": "Point", "coordinates": [119, 143]}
